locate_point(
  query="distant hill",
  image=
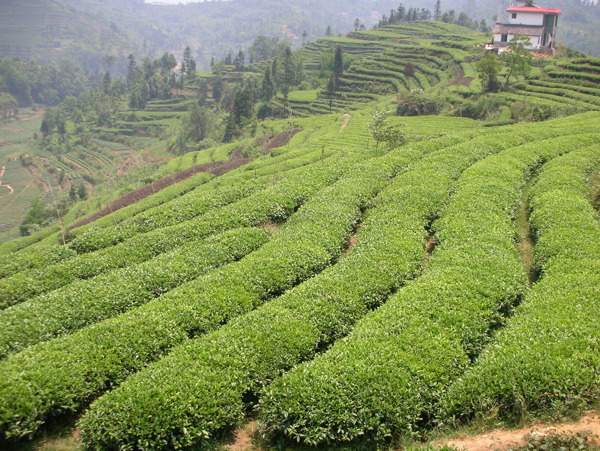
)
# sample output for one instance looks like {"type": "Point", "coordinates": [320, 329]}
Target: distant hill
{"type": "Point", "coordinates": [87, 30]}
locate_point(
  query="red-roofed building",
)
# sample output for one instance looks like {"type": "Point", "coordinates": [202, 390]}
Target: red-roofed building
{"type": "Point", "coordinates": [528, 19]}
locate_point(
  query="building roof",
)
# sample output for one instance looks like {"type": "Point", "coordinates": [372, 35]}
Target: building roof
{"type": "Point", "coordinates": [525, 30]}
{"type": "Point", "coordinates": [533, 9]}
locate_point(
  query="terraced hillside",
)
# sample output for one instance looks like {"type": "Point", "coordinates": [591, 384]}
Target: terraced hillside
{"type": "Point", "coordinates": [441, 55]}
{"type": "Point", "coordinates": [338, 292]}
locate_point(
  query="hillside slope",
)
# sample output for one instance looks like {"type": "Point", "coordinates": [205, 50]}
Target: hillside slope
{"type": "Point", "coordinates": [340, 292]}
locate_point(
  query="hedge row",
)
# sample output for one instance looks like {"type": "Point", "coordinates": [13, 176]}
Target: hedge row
{"type": "Point", "coordinates": [34, 258]}
{"type": "Point", "coordinates": [192, 204]}
{"type": "Point", "coordinates": [275, 203]}
{"type": "Point", "coordinates": [376, 383]}
{"type": "Point", "coordinates": [217, 194]}
{"type": "Point", "coordinates": [62, 374]}
{"type": "Point", "coordinates": [183, 208]}
{"type": "Point", "coordinates": [23, 242]}
{"type": "Point", "coordinates": [547, 359]}
{"type": "Point", "coordinates": [88, 301]}
{"type": "Point", "coordinates": [576, 75]}
{"type": "Point", "coordinates": [43, 254]}
{"type": "Point", "coordinates": [560, 90]}
{"type": "Point", "coordinates": [200, 388]}
{"type": "Point", "coordinates": [563, 95]}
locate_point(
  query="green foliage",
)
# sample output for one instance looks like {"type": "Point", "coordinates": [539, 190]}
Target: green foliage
{"type": "Point", "coordinates": [517, 58]}
{"type": "Point", "coordinates": [544, 362]}
{"type": "Point", "coordinates": [488, 69]}
{"type": "Point", "coordinates": [35, 217]}
{"type": "Point", "coordinates": [375, 383]}
{"type": "Point", "coordinates": [47, 85]}
{"type": "Point", "coordinates": [276, 334]}
{"type": "Point", "coordinates": [419, 103]}
{"type": "Point", "coordinates": [264, 48]}
{"type": "Point", "coordinates": [383, 131]}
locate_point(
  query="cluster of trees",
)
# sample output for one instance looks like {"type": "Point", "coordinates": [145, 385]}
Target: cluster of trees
{"type": "Point", "coordinates": [516, 59]}
{"type": "Point", "coordinates": [261, 49]}
{"type": "Point", "coordinates": [32, 83]}
{"type": "Point", "coordinates": [155, 78]}
{"type": "Point", "coordinates": [401, 15]}
{"type": "Point", "coordinates": [236, 105]}
{"type": "Point", "coordinates": [464, 20]}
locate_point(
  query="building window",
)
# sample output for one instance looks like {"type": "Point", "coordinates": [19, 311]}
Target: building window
{"type": "Point", "coordinates": [514, 15]}
{"type": "Point", "coordinates": [504, 38]}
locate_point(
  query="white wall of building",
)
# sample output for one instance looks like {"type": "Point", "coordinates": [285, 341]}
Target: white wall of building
{"type": "Point", "coordinates": [526, 18]}
{"type": "Point", "coordinates": [535, 40]}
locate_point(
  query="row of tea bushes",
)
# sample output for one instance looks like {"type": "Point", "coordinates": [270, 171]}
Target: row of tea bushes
{"type": "Point", "coordinates": [219, 192]}
{"type": "Point", "coordinates": [87, 301]}
{"type": "Point", "coordinates": [61, 375]}
{"type": "Point", "coordinates": [42, 254]}
{"type": "Point", "coordinates": [547, 359]}
{"type": "Point", "coordinates": [387, 377]}
{"type": "Point", "coordinates": [200, 388]}
{"type": "Point", "coordinates": [274, 204]}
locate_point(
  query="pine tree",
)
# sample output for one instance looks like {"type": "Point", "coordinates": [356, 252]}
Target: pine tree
{"type": "Point", "coordinates": [188, 66]}
{"type": "Point", "coordinates": [401, 15]}
{"type": "Point", "coordinates": [338, 63]}
{"type": "Point", "coordinates": [331, 85]}
{"type": "Point", "coordinates": [267, 87]}
{"type": "Point", "coordinates": [239, 60]}
{"type": "Point", "coordinates": [437, 12]}
{"type": "Point", "coordinates": [133, 72]}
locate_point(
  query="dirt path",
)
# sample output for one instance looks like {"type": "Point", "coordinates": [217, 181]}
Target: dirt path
{"type": "Point", "coordinates": [243, 438]}
{"type": "Point", "coordinates": [345, 122]}
{"type": "Point", "coordinates": [503, 439]}
{"type": "Point", "coordinates": [4, 185]}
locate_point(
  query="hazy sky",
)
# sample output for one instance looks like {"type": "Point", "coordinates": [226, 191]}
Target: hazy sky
{"type": "Point", "coordinates": [172, 2]}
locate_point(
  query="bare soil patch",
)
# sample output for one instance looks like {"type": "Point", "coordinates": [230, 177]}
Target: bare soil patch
{"type": "Point", "coordinates": [279, 140]}
{"type": "Point", "coordinates": [503, 439]}
{"type": "Point", "coordinates": [345, 122]}
{"type": "Point", "coordinates": [460, 79]}
{"type": "Point", "coordinates": [243, 438]}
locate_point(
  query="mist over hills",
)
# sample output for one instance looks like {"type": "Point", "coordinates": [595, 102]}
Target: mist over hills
{"type": "Point", "coordinates": [87, 30]}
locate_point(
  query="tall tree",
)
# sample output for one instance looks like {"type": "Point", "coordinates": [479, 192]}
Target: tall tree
{"type": "Point", "coordinates": [488, 69]}
{"type": "Point", "coordinates": [133, 71]}
{"type": "Point", "coordinates": [517, 58]}
{"type": "Point", "coordinates": [287, 78]}
{"type": "Point", "coordinates": [338, 63]}
{"type": "Point", "coordinates": [401, 14]}
{"type": "Point", "coordinates": [267, 87]}
{"type": "Point", "coordinates": [239, 60]}
{"type": "Point", "coordinates": [437, 12]}
{"type": "Point", "coordinates": [108, 61]}
{"type": "Point", "coordinates": [188, 62]}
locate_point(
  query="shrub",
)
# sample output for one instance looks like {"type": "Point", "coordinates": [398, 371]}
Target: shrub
{"type": "Point", "coordinates": [419, 103]}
